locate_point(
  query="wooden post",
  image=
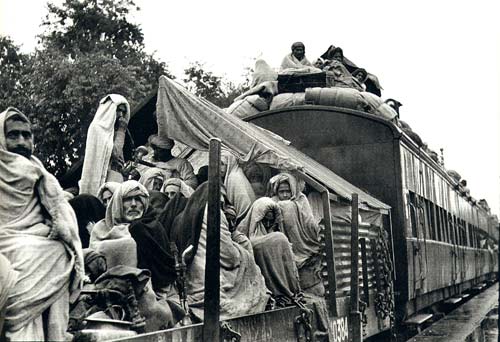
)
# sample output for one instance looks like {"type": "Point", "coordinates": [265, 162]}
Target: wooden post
{"type": "Point", "coordinates": [330, 255]}
{"type": "Point", "coordinates": [364, 265]}
{"type": "Point", "coordinates": [355, 315]}
{"type": "Point", "coordinates": [211, 324]}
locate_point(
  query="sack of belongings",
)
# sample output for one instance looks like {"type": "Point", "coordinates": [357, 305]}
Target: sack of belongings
{"type": "Point", "coordinates": [287, 100]}
{"type": "Point", "coordinates": [379, 107]}
{"type": "Point", "coordinates": [337, 97]}
{"type": "Point", "coordinates": [248, 106]}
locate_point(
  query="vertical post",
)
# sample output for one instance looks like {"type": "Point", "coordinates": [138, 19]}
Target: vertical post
{"type": "Point", "coordinates": [211, 325]}
{"type": "Point", "coordinates": [355, 315]}
{"type": "Point", "coordinates": [364, 265]}
{"type": "Point", "coordinates": [330, 255]}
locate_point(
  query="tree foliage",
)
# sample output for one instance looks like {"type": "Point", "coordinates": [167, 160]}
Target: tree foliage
{"type": "Point", "coordinates": [88, 49]}
{"type": "Point", "coordinates": [215, 89]}
{"type": "Point", "coordinates": [12, 64]}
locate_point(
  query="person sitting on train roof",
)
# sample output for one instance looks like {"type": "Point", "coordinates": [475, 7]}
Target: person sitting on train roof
{"type": "Point", "coordinates": [372, 83]}
{"type": "Point", "coordinates": [174, 186]}
{"type": "Point", "coordinates": [337, 75]}
{"type": "Point", "coordinates": [153, 178]}
{"type": "Point", "coordinates": [263, 225]}
{"type": "Point", "coordinates": [243, 290]}
{"type": "Point", "coordinates": [104, 160]}
{"type": "Point", "coordinates": [162, 157]}
{"type": "Point", "coordinates": [239, 190]}
{"type": "Point", "coordinates": [297, 62]}
{"type": "Point", "coordinates": [106, 191]}
{"type": "Point", "coordinates": [301, 228]}
{"type": "Point", "coordinates": [360, 75]}
{"type": "Point", "coordinates": [39, 237]}
{"type": "Point", "coordinates": [88, 210]}
{"type": "Point", "coordinates": [111, 236]}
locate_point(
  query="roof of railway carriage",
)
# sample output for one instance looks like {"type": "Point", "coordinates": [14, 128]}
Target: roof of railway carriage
{"type": "Point", "coordinates": [193, 121]}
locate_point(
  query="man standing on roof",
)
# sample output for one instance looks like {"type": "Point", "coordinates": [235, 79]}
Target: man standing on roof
{"type": "Point", "coordinates": [163, 158]}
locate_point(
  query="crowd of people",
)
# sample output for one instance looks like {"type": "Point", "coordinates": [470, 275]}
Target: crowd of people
{"type": "Point", "coordinates": [115, 247]}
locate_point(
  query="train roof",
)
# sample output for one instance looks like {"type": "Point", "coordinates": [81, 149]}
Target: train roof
{"type": "Point", "coordinates": [192, 121]}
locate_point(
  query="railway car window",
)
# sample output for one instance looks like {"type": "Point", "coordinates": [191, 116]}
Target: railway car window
{"type": "Point", "coordinates": [470, 232]}
{"type": "Point", "coordinates": [453, 226]}
{"type": "Point", "coordinates": [431, 219]}
{"type": "Point", "coordinates": [439, 225]}
{"type": "Point", "coordinates": [413, 213]}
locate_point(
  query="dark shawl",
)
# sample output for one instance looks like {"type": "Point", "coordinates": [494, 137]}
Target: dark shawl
{"type": "Point", "coordinates": [153, 250]}
{"type": "Point", "coordinates": [187, 225]}
{"type": "Point", "coordinates": [173, 207]}
{"type": "Point", "coordinates": [372, 84]}
{"type": "Point", "coordinates": [87, 208]}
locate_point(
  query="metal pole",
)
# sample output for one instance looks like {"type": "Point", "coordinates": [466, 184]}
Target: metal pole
{"type": "Point", "coordinates": [355, 315]}
{"type": "Point", "coordinates": [211, 326]}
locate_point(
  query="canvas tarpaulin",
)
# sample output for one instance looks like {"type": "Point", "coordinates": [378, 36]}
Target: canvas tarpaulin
{"type": "Point", "coordinates": [193, 121]}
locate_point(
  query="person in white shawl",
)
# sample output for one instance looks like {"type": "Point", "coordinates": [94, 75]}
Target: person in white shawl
{"type": "Point", "coordinates": [301, 228]}
{"type": "Point", "coordinates": [104, 149]}
{"type": "Point", "coordinates": [175, 185]}
{"type": "Point", "coordinates": [39, 237]}
{"type": "Point", "coordinates": [153, 178]}
{"type": "Point", "coordinates": [297, 62]}
{"type": "Point", "coordinates": [110, 236]}
{"type": "Point", "coordinates": [239, 190]}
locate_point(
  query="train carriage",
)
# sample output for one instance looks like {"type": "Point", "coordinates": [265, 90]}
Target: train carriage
{"type": "Point", "coordinates": [440, 234]}
{"type": "Point", "coordinates": [420, 239]}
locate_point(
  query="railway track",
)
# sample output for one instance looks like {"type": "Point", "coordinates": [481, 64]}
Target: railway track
{"type": "Point", "coordinates": [474, 320]}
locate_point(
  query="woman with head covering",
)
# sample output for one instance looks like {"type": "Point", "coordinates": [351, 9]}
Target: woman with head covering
{"type": "Point", "coordinates": [105, 139]}
{"type": "Point", "coordinates": [300, 227]}
{"type": "Point", "coordinates": [106, 191]}
{"type": "Point", "coordinates": [88, 210]}
{"type": "Point", "coordinates": [238, 189]}
{"type": "Point", "coordinates": [157, 201]}
{"type": "Point", "coordinates": [153, 178]}
{"type": "Point", "coordinates": [272, 251]}
{"type": "Point", "coordinates": [243, 289]}
{"type": "Point", "coordinates": [111, 236]}
{"type": "Point", "coordinates": [174, 186]}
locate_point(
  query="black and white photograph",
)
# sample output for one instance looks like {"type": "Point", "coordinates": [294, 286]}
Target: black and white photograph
{"type": "Point", "coordinates": [224, 171]}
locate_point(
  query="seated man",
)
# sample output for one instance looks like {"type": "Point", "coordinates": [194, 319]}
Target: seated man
{"type": "Point", "coordinates": [39, 237]}
{"type": "Point", "coordinates": [162, 157]}
{"type": "Point", "coordinates": [110, 236]}
{"type": "Point", "coordinates": [173, 186]}
{"type": "Point", "coordinates": [104, 149]}
{"type": "Point", "coordinates": [300, 227]}
{"type": "Point", "coordinates": [153, 178]}
{"type": "Point", "coordinates": [296, 61]}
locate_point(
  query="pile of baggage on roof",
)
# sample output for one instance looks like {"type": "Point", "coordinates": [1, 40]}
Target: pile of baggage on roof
{"type": "Point", "coordinates": [332, 80]}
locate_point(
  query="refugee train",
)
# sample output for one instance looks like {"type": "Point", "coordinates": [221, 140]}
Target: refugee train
{"type": "Point", "coordinates": [422, 240]}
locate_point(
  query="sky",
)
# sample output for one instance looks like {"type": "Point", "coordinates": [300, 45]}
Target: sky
{"type": "Point", "coordinates": [441, 59]}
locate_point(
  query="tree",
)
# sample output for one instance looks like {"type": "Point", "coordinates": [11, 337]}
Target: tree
{"type": "Point", "coordinates": [213, 88]}
{"type": "Point", "coordinates": [88, 49]}
{"type": "Point", "coordinates": [12, 64]}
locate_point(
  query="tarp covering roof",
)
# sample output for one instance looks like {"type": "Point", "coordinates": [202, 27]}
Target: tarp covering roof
{"type": "Point", "coordinates": [193, 121]}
